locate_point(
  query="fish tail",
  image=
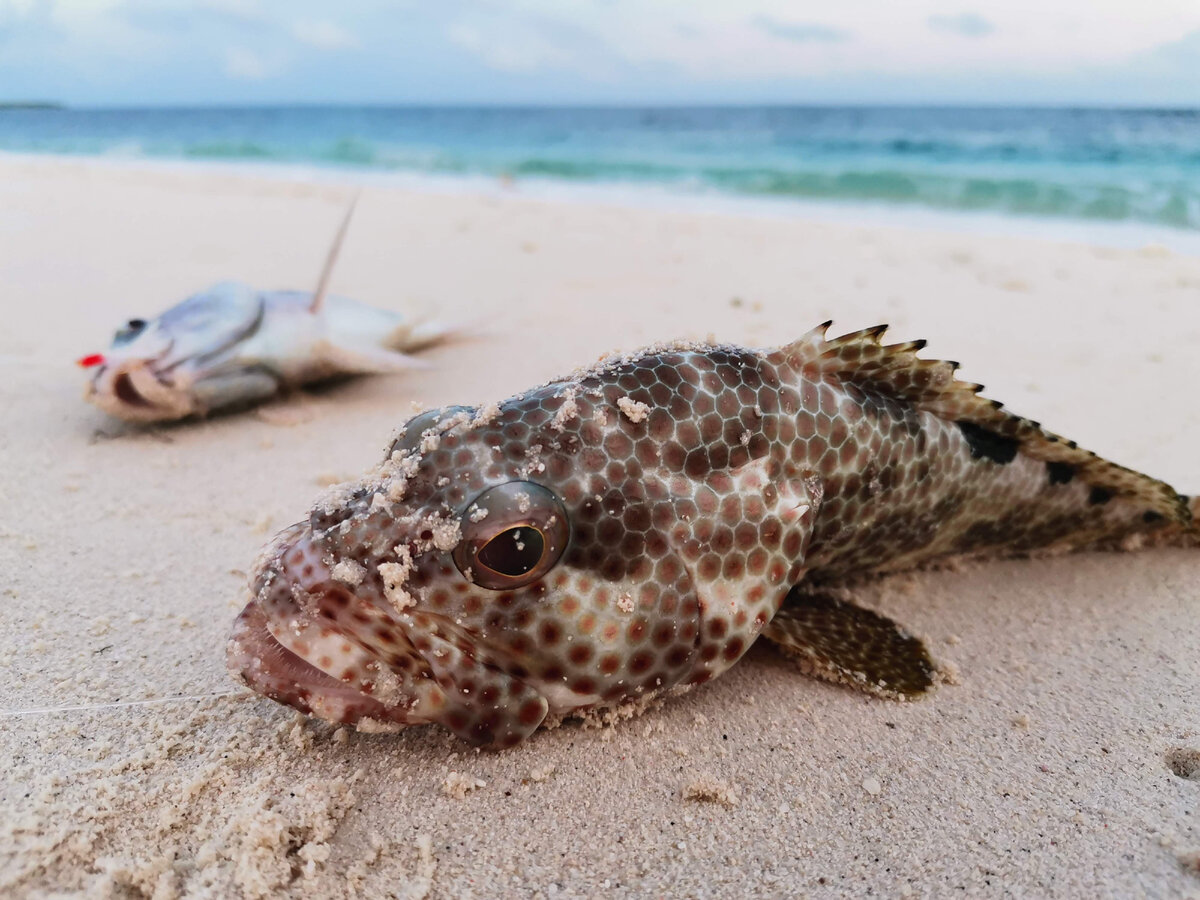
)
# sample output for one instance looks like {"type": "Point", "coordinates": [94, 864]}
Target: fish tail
{"type": "Point", "coordinates": [419, 333]}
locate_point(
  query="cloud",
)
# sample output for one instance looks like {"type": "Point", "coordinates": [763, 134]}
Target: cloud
{"type": "Point", "coordinates": [183, 18]}
{"type": "Point", "coordinates": [966, 24]}
{"type": "Point", "coordinates": [595, 51]}
{"type": "Point", "coordinates": [18, 9]}
{"type": "Point", "coordinates": [801, 32]}
{"type": "Point", "coordinates": [247, 65]}
{"type": "Point", "coordinates": [233, 22]}
{"type": "Point", "coordinates": [323, 35]}
{"type": "Point", "coordinates": [1185, 51]}
{"type": "Point", "coordinates": [1167, 72]}
{"type": "Point", "coordinates": [24, 19]}
{"type": "Point", "coordinates": [532, 42]}
{"type": "Point", "coordinates": [512, 52]}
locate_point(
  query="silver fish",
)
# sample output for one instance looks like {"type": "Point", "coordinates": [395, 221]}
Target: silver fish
{"type": "Point", "coordinates": [236, 345]}
{"type": "Point", "coordinates": [633, 529]}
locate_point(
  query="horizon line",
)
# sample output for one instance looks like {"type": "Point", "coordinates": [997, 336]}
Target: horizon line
{"type": "Point", "coordinates": [63, 106]}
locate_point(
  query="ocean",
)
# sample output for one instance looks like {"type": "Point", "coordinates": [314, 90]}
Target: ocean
{"type": "Point", "coordinates": [1096, 165]}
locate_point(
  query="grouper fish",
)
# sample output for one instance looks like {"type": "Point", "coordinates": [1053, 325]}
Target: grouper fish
{"type": "Point", "coordinates": [631, 530]}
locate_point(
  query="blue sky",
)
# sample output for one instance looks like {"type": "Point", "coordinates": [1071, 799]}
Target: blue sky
{"type": "Point", "coordinates": [99, 52]}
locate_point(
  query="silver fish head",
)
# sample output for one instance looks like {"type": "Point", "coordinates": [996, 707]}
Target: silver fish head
{"type": "Point", "coordinates": [157, 369]}
{"type": "Point", "coordinates": [555, 553]}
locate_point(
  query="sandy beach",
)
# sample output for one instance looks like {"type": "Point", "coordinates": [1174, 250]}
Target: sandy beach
{"type": "Point", "coordinates": [1055, 767]}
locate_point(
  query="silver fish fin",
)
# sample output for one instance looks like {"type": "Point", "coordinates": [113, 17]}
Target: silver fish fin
{"type": "Point", "coordinates": [369, 360]}
{"type": "Point", "coordinates": [894, 371]}
{"type": "Point", "coordinates": [419, 333]}
{"type": "Point", "coordinates": [331, 258]}
{"type": "Point", "coordinates": [241, 387]}
{"type": "Point", "coordinates": [838, 641]}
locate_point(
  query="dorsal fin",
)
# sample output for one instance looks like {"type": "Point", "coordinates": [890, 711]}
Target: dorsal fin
{"type": "Point", "coordinates": [331, 260]}
{"type": "Point", "coordinates": [895, 371]}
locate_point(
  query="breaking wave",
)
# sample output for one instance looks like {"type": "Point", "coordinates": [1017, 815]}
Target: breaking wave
{"type": "Point", "coordinates": [1097, 165]}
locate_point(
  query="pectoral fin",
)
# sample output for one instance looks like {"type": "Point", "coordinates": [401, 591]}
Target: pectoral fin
{"type": "Point", "coordinates": [838, 641]}
{"type": "Point", "coordinates": [737, 598]}
{"type": "Point", "coordinates": [241, 387]}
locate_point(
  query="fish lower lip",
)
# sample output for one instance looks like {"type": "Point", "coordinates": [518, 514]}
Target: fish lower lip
{"type": "Point", "coordinates": [259, 660]}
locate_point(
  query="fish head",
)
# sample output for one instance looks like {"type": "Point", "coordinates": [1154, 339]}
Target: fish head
{"type": "Point", "coordinates": [153, 368]}
{"type": "Point", "coordinates": [501, 565]}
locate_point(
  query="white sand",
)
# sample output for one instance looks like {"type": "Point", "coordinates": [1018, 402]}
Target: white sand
{"type": "Point", "coordinates": [1048, 771]}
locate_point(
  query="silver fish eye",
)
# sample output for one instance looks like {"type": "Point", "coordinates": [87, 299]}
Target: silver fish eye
{"type": "Point", "coordinates": [415, 428]}
{"type": "Point", "coordinates": [512, 535]}
{"type": "Point", "coordinates": [129, 331]}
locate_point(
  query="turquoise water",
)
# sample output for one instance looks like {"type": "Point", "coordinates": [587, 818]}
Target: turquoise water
{"type": "Point", "coordinates": [1137, 166]}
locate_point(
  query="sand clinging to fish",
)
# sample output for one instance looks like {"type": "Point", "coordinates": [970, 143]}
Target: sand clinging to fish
{"type": "Point", "coordinates": [633, 529]}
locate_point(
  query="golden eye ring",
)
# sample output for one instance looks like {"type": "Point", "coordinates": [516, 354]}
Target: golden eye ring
{"type": "Point", "coordinates": [512, 535]}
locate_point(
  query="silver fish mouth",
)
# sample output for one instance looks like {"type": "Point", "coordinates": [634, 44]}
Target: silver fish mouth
{"type": "Point", "coordinates": [134, 390]}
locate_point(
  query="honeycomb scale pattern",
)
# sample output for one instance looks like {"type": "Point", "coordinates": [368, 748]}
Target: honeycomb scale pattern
{"type": "Point", "coordinates": [700, 485]}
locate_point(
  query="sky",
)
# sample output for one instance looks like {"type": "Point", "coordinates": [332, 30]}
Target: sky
{"type": "Point", "coordinates": [199, 52]}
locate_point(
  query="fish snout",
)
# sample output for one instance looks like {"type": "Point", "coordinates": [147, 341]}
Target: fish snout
{"type": "Point", "coordinates": [322, 637]}
{"type": "Point", "coordinates": [135, 390]}
{"type": "Point", "coordinates": [306, 640]}
{"type": "Point", "coordinates": [263, 663]}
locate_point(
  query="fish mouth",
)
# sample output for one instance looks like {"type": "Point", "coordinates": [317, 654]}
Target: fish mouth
{"type": "Point", "coordinates": [257, 659]}
{"type": "Point", "coordinates": [314, 643]}
{"type": "Point", "coordinates": [135, 391]}
{"type": "Point", "coordinates": [299, 641]}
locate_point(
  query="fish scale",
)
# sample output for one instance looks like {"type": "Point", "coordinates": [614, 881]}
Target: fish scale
{"type": "Point", "coordinates": [633, 529]}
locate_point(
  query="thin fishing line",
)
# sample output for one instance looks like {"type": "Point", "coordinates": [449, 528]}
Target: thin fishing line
{"type": "Point", "coordinates": [120, 704]}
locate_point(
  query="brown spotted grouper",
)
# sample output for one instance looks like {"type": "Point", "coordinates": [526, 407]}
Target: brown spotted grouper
{"type": "Point", "coordinates": [634, 528]}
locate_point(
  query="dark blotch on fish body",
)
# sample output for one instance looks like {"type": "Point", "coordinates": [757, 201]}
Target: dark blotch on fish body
{"type": "Point", "coordinates": [1060, 472]}
{"type": "Point", "coordinates": [987, 444]}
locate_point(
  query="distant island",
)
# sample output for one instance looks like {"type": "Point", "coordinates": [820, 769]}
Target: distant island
{"type": "Point", "coordinates": [30, 104]}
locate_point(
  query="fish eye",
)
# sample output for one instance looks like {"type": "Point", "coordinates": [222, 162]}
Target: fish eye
{"type": "Point", "coordinates": [129, 331]}
{"type": "Point", "coordinates": [514, 552]}
{"type": "Point", "coordinates": [415, 428]}
{"type": "Point", "coordinates": [512, 535]}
